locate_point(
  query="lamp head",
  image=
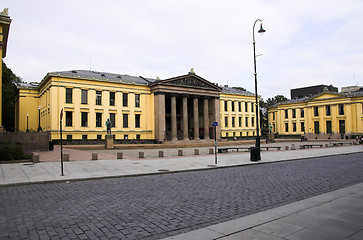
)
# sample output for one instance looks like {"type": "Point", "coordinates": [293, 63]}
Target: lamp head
{"type": "Point", "coordinates": [261, 31]}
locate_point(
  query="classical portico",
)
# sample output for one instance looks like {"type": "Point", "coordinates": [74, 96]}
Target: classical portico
{"type": "Point", "coordinates": [185, 108]}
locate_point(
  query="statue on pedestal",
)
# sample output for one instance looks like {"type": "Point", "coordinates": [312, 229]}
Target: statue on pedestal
{"type": "Point", "coordinates": [109, 126]}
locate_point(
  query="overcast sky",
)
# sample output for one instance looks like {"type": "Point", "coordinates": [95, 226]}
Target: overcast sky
{"type": "Point", "coordinates": [306, 42]}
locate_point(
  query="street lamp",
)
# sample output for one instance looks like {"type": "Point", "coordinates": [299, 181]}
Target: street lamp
{"type": "Point", "coordinates": [27, 122]}
{"type": "Point", "coordinates": [256, 151]}
{"type": "Point", "coordinates": [39, 127]}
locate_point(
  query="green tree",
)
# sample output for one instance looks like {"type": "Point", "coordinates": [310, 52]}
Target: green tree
{"type": "Point", "coordinates": [277, 99]}
{"type": "Point", "coordinates": [264, 105]}
{"type": "Point", "coordinates": [8, 95]}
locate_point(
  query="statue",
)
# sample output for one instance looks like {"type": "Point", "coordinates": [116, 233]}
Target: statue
{"type": "Point", "coordinates": [5, 12]}
{"type": "Point", "coordinates": [108, 125]}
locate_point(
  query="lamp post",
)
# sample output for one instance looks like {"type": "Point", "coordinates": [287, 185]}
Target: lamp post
{"type": "Point", "coordinates": [256, 152]}
{"type": "Point", "coordinates": [39, 127]}
{"type": "Point", "coordinates": [27, 122]}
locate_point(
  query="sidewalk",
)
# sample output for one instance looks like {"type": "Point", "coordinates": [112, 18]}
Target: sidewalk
{"type": "Point", "coordinates": [333, 215]}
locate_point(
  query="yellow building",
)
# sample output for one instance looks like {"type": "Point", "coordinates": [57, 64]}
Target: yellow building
{"type": "Point", "coordinates": [179, 108]}
{"type": "Point", "coordinates": [324, 115]}
{"type": "Point", "coordinates": [4, 32]}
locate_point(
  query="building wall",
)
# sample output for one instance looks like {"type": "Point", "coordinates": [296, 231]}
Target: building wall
{"type": "Point", "coordinates": [227, 116]}
{"type": "Point", "coordinates": [316, 115]}
{"type": "Point", "coordinates": [27, 103]}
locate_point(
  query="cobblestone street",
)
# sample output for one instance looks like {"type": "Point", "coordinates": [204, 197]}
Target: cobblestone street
{"type": "Point", "coordinates": [157, 206]}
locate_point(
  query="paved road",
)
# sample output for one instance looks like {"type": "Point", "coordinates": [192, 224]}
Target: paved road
{"type": "Point", "coordinates": [155, 206]}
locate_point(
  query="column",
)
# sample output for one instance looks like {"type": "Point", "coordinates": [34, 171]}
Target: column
{"type": "Point", "coordinates": [159, 101]}
{"type": "Point", "coordinates": [216, 116]}
{"type": "Point", "coordinates": [206, 119]}
{"type": "Point", "coordinates": [173, 118]}
{"type": "Point", "coordinates": [185, 118]}
{"type": "Point", "coordinates": [196, 118]}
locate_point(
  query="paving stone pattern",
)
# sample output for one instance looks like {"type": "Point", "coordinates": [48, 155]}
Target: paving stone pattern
{"type": "Point", "coordinates": [157, 206]}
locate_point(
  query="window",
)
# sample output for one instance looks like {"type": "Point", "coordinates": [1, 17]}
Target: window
{"type": "Point", "coordinates": [316, 111]}
{"type": "Point", "coordinates": [113, 119]}
{"type": "Point", "coordinates": [246, 106]}
{"type": "Point", "coordinates": [225, 106]}
{"type": "Point", "coordinates": [84, 137]}
{"type": "Point", "coordinates": [302, 127]}
{"type": "Point", "coordinates": [126, 136]}
{"type": "Point", "coordinates": [84, 96]}
{"type": "Point", "coordinates": [328, 127]}
{"type": "Point", "coordinates": [138, 136]}
{"type": "Point", "coordinates": [293, 113]}
{"type": "Point", "coordinates": [327, 110]}
{"type": "Point", "coordinates": [69, 137]}
{"type": "Point", "coordinates": [227, 135]}
{"type": "Point", "coordinates": [98, 98]}
{"type": "Point", "coordinates": [240, 121]}
{"type": "Point", "coordinates": [246, 121]}
{"type": "Point", "coordinates": [302, 113]}
{"type": "Point", "coordinates": [233, 121]}
{"type": "Point", "coordinates": [137, 120]}
{"type": "Point", "coordinates": [294, 127]}
{"type": "Point", "coordinates": [232, 106]}
{"type": "Point", "coordinates": [84, 119]}
{"type": "Point", "coordinates": [286, 127]}
{"type": "Point", "coordinates": [69, 119]}
{"type": "Point", "coordinates": [253, 122]}
{"type": "Point", "coordinates": [125, 118]}
{"type": "Point", "coordinates": [234, 134]}
{"type": "Point", "coordinates": [286, 113]}
{"type": "Point", "coordinates": [69, 94]}
{"type": "Point", "coordinates": [341, 109]}
{"type": "Point", "coordinates": [112, 98]}
{"type": "Point", "coordinates": [137, 100]}
{"type": "Point", "coordinates": [239, 107]}
{"type": "Point", "coordinates": [98, 119]}
{"type": "Point", "coordinates": [273, 116]}
{"type": "Point", "coordinates": [252, 108]}
{"type": "Point", "coordinates": [99, 137]}
{"type": "Point", "coordinates": [226, 121]}
{"type": "Point", "coordinates": [124, 99]}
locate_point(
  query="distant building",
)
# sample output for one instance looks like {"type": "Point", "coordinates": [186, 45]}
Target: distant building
{"type": "Point", "coordinates": [351, 89]}
{"type": "Point", "coordinates": [310, 91]}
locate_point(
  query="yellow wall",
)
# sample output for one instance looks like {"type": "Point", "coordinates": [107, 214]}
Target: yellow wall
{"type": "Point", "coordinates": [28, 101]}
{"type": "Point", "coordinates": [237, 130]}
{"type": "Point", "coordinates": [352, 117]}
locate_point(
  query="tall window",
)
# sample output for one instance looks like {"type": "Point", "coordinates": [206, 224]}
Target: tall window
{"type": "Point", "coordinates": [246, 106]}
{"type": "Point", "coordinates": [232, 106]}
{"type": "Point", "coordinates": [302, 114]}
{"type": "Point", "coordinates": [84, 119]}
{"type": "Point", "coordinates": [226, 121]}
{"type": "Point", "coordinates": [286, 127]}
{"type": "Point", "coordinates": [84, 97]}
{"type": "Point", "coordinates": [98, 119]}
{"type": "Point", "coordinates": [246, 121]}
{"type": "Point", "coordinates": [69, 94]}
{"type": "Point", "coordinates": [294, 127]}
{"type": "Point", "coordinates": [302, 127]}
{"type": "Point", "coordinates": [113, 119]}
{"type": "Point", "coordinates": [112, 98]}
{"type": "Point", "coordinates": [124, 99]}
{"type": "Point", "coordinates": [137, 100]}
{"type": "Point", "coordinates": [273, 116]}
{"type": "Point", "coordinates": [286, 113]}
{"type": "Point", "coordinates": [98, 98]}
{"type": "Point", "coordinates": [253, 122]}
{"type": "Point", "coordinates": [239, 107]}
{"type": "Point", "coordinates": [327, 110]}
{"type": "Point", "coordinates": [341, 109]}
{"type": "Point", "coordinates": [328, 127]}
{"type": "Point", "coordinates": [225, 106]}
{"type": "Point", "coordinates": [233, 121]}
{"type": "Point", "coordinates": [125, 118]}
{"type": "Point", "coordinates": [293, 113]}
{"type": "Point", "coordinates": [240, 121]}
{"type": "Point", "coordinates": [316, 111]}
{"type": "Point", "coordinates": [137, 120]}
{"type": "Point", "coordinates": [69, 119]}
{"type": "Point", "coordinates": [252, 108]}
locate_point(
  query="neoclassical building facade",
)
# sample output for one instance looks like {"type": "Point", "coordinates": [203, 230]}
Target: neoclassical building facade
{"type": "Point", "coordinates": [174, 109]}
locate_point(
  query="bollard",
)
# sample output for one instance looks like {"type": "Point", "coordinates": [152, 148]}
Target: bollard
{"type": "Point", "coordinates": [66, 157]}
{"type": "Point", "coordinates": [211, 151]}
{"type": "Point", "coordinates": [196, 151]}
{"type": "Point", "coordinates": [180, 152]}
{"type": "Point", "coordinates": [286, 147]}
{"type": "Point", "coordinates": [35, 158]}
{"type": "Point", "coordinates": [141, 154]}
{"type": "Point", "coordinates": [94, 156]}
{"type": "Point", "coordinates": [161, 153]}
{"type": "Point", "coordinates": [293, 147]}
{"type": "Point", "coordinates": [119, 155]}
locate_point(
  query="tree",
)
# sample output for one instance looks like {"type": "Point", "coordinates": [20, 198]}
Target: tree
{"type": "Point", "coordinates": [277, 99]}
{"type": "Point", "coordinates": [263, 110]}
{"type": "Point", "coordinates": [240, 88]}
{"type": "Point", "coordinates": [8, 95]}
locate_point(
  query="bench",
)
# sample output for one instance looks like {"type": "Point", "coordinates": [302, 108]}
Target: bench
{"type": "Point", "coordinates": [224, 150]}
{"type": "Point", "coordinates": [342, 143]}
{"type": "Point", "coordinates": [310, 146]}
{"type": "Point", "coordinates": [267, 148]}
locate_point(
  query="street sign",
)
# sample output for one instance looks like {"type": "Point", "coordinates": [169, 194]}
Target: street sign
{"type": "Point", "coordinates": [215, 124]}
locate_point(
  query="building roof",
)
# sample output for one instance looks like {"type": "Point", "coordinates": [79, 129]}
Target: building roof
{"type": "Point", "coordinates": [33, 86]}
{"type": "Point", "coordinates": [231, 90]}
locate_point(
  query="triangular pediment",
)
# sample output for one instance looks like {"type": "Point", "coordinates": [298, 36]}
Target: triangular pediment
{"type": "Point", "coordinates": [325, 95]}
{"type": "Point", "coordinates": [190, 80]}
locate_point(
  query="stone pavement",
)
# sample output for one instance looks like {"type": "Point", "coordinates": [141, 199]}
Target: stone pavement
{"type": "Point", "coordinates": [334, 215]}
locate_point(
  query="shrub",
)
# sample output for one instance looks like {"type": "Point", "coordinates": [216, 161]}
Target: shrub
{"type": "Point", "coordinates": [11, 151]}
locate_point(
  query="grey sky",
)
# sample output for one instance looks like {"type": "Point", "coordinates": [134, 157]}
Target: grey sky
{"type": "Point", "coordinates": [306, 42]}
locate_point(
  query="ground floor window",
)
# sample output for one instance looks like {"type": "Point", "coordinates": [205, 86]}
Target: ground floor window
{"type": "Point", "coordinates": [294, 127]}
{"type": "Point", "coordinates": [303, 127]}
{"type": "Point", "coordinates": [113, 119]}
{"type": "Point", "coordinates": [84, 137]}
{"type": "Point", "coordinates": [286, 127]}
{"type": "Point", "coordinates": [137, 120]}
{"type": "Point", "coordinates": [99, 137]}
{"type": "Point", "coordinates": [84, 119]}
{"type": "Point", "coordinates": [69, 137]}
{"type": "Point", "coordinates": [138, 136]}
{"type": "Point", "coordinates": [69, 119]}
{"type": "Point", "coordinates": [328, 127]}
{"type": "Point", "coordinates": [126, 136]}
{"type": "Point", "coordinates": [125, 118]}
{"type": "Point", "coordinates": [98, 119]}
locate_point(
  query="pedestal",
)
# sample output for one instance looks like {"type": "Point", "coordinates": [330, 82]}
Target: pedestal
{"type": "Point", "coordinates": [109, 141]}
{"type": "Point", "coordinates": [271, 137]}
